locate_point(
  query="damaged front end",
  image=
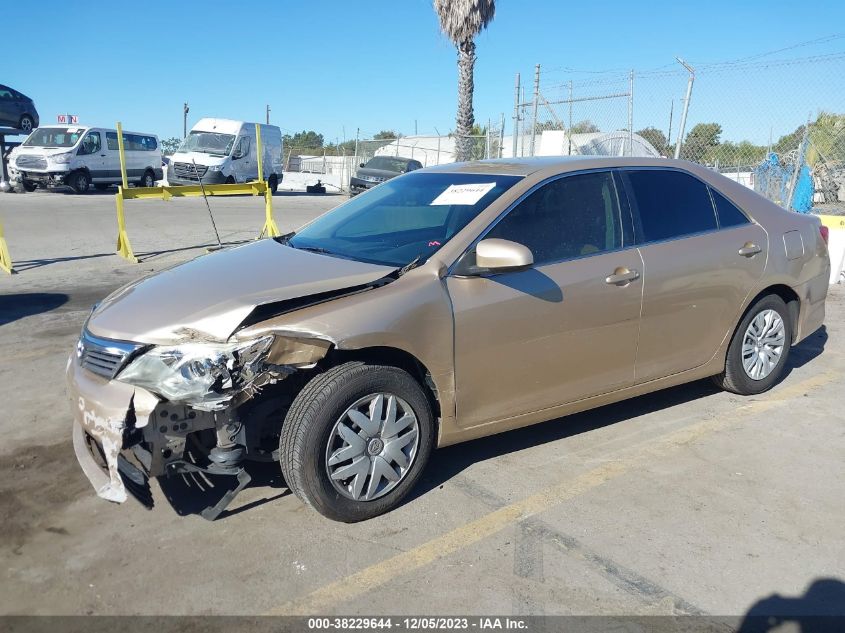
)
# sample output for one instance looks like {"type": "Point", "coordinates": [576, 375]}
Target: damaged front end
{"type": "Point", "coordinates": [187, 408]}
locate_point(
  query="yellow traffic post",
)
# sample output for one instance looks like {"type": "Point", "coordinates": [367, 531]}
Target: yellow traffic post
{"type": "Point", "coordinates": [270, 229]}
{"type": "Point", "coordinates": [5, 257]}
{"type": "Point", "coordinates": [122, 154]}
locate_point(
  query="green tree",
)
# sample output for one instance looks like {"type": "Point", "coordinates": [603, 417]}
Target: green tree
{"type": "Point", "coordinates": [656, 138]}
{"type": "Point", "coordinates": [585, 127]}
{"type": "Point", "coordinates": [701, 143]}
{"type": "Point", "coordinates": [461, 21]}
{"type": "Point", "coordinates": [386, 134]}
{"type": "Point", "coordinates": [170, 145]}
{"type": "Point", "coordinates": [304, 140]}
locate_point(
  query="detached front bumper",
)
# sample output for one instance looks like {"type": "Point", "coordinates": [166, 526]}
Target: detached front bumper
{"type": "Point", "coordinates": [108, 417]}
{"type": "Point", "coordinates": [41, 177]}
{"type": "Point", "coordinates": [209, 178]}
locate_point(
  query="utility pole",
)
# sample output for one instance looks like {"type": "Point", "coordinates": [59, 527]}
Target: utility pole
{"type": "Point", "coordinates": [185, 110]}
{"type": "Point", "coordinates": [534, 113]}
{"type": "Point", "coordinates": [631, 117]}
{"type": "Point", "coordinates": [268, 114]}
{"type": "Point", "coordinates": [515, 115]}
{"type": "Point", "coordinates": [415, 128]}
{"type": "Point", "coordinates": [501, 136]}
{"type": "Point", "coordinates": [691, 80]}
{"type": "Point", "coordinates": [569, 127]}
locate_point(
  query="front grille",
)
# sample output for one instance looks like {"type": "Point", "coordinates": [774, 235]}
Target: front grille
{"type": "Point", "coordinates": [30, 161]}
{"type": "Point", "coordinates": [186, 170]}
{"type": "Point", "coordinates": [104, 356]}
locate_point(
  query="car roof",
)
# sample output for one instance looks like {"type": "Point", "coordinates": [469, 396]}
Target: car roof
{"type": "Point", "coordinates": [528, 166]}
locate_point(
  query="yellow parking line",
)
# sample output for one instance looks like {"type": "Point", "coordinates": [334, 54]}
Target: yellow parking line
{"type": "Point", "coordinates": [380, 573]}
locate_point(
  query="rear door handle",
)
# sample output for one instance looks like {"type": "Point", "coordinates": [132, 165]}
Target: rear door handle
{"type": "Point", "coordinates": [749, 250]}
{"type": "Point", "coordinates": [622, 277]}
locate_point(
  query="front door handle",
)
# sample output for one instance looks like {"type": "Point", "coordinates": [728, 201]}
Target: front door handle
{"type": "Point", "coordinates": [750, 249]}
{"type": "Point", "coordinates": [622, 277]}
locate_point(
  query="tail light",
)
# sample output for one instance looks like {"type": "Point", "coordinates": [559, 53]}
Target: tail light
{"type": "Point", "coordinates": [825, 232]}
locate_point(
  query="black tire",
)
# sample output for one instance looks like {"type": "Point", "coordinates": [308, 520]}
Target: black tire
{"type": "Point", "coordinates": [734, 378]}
{"type": "Point", "coordinates": [79, 181]}
{"type": "Point", "coordinates": [307, 429]}
{"type": "Point", "coordinates": [102, 186]}
{"type": "Point", "coordinates": [148, 179]}
{"type": "Point", "coordinates": [273, 183]}
{"type": "Point", "coordinates": [230, 180]}
{"type": "Point", "coordinates": [29, 186]}
{"type": "Point", "coordinates": [26, 123]}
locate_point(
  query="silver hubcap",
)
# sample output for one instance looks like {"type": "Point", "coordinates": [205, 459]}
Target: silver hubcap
{"type": "Point", "coordinates": [372, 446]}
{"type": "Point", "coordinates": [762, 345]}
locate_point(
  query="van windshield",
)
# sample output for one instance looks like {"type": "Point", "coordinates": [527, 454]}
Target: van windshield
{"type": "Point", "coordinates": [402, 220]}
{"type": "Point", "coordinates": [54, 137]}
{"type": "Point", "coordinates": [208, 143]}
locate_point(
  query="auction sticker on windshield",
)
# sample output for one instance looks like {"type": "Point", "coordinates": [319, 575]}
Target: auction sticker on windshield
{"type": "Point", "coordinates": [463, 194]}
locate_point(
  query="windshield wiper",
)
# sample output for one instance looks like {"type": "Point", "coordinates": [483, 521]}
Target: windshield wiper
{"type": "Point", "coordinates": [410, 265]}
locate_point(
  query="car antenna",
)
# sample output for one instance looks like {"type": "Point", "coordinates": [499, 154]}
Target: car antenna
{"type": "Point", "coordinates": [204, 197]}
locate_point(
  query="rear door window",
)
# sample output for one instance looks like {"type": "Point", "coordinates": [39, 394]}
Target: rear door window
{"type": "Point", "coordinates": [669, 204]}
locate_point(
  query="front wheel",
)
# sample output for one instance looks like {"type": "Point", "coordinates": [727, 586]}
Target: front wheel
{"type": "Point", "coordinates": [356, 439]}
{"type": "Point", "coordinates": [79, 182]}
{"type": "Point", "coordinates": [29, 186]}
{"type": "Point", "coordinates": [759, 349]}
{"type": "Point", "coordinates": [26, 123]}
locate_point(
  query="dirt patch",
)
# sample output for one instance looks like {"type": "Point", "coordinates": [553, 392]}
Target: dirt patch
{"type": "Point", "coordinates": [36, 484]}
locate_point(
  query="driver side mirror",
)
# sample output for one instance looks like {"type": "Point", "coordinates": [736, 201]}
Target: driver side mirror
{"type": "Point", "coordinates": [497, 255]}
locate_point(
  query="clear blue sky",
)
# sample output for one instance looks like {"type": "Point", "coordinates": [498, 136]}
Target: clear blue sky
{"type": "Point", "coordinates": [336, 65]}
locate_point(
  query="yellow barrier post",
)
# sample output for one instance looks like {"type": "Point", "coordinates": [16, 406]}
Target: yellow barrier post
{"type": "Point", "coordinates": [122, 154]}
{"type": "Point", "coordinates": [270, 229]}
{"type": "Point", "coordinates": [5, 257]}
{"type": "Point", "coordinates": [124, 248]}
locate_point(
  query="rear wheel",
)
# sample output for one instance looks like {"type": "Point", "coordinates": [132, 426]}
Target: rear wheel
{"type": "Point", "coordinates": [147, 180]}
{"type": "Point", "coordinates": [759, 349]}
{"type": "Point", "coordinates": [273, 183]}
{"type": "Point", "coordinates": [356, 440]}
{"type": "Point", "coordinates": [79, 181]}
{"type": "Point", "coordinates": [26, 123]}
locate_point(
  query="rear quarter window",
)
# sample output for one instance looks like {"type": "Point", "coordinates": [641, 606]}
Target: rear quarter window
{"type": "Point", "coordinates": [669, 204]}
{"type": "Point", "coordinates": [729, 214]}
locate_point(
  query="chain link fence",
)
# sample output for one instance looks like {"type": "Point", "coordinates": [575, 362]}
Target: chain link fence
{"type": "Point", "coordinates": [777, 126]}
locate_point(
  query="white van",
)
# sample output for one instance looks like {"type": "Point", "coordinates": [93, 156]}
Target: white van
{"type": "Point", "coordinates": [79, 156]}
{"type": "Point", "coordinates": [223, 151]}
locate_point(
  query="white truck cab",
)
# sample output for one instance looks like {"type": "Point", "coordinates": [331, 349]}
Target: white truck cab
{"type": "Point", "coordinates": [224, 151]}
{"type": "Point", "coordinates": [81, 156]}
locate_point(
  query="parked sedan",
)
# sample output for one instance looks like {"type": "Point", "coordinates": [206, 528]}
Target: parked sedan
{"type": "Point", "coordinates": [378, 169]}
{"type": "Point", "coordinates": [17, 110]}
{"type": "Point", "coordinates": [447, 304]}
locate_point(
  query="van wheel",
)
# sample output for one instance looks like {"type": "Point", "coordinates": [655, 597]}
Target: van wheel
{"type": "Point", "coordinates": [356, 440]}
{"type": "Point", "coordinates": [230, 180]}
{"type": "Point", "coordinates": [29, 186]}
{"type": "Point", "coordinates": [759, 349]}
{"type": "Point", "coordinates": [79, 182]}
{"type": "Point", "coordinates": [273, 183]}
{"type": "Point", "coordinates": [147, 180]}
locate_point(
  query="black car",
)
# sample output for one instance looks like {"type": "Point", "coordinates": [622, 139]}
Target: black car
{"type": "Point", "coordinates": [17, 110]}
{"type": "Point", "coordinates": [379, 169]}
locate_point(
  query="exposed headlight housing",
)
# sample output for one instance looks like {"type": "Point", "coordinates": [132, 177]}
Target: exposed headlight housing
{"type": "Point", "coordinates": [202, 375]}
{"type": "Point", "coordinates": [61, 159]}
{"type": "Point", "coordinates": [217, 167]}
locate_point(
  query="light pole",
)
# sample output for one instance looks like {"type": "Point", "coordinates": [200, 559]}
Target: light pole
{"type": "Point", "coordinates": [680, 140]}
{"type": "Point", "coordinates": [185, 110]}
{"type": "Point", "coordinates": [268, 114]}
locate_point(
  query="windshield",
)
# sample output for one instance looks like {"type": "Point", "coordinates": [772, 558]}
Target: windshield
{"type": "Point", "coordinates": [208, 143]}
{"type": "Point", "coordinates": [399, 165]}
{"type": "Point", "coordinates": [403, 219]}
{"type": "Point", "coordinates": [54, 137]}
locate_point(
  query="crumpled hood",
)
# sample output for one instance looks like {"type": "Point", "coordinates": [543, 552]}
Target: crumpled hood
{"type": "Point", "coordinates": [200, 158]}
{"type": "Point", "coordinates": [208, 297]}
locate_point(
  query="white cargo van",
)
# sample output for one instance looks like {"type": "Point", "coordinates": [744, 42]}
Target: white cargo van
{"type": "Point", "coordinates": [224, 151]}
{"type": "Point", "coordinates": [79, 156]}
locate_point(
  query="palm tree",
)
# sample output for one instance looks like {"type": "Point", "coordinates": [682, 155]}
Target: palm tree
{"type": "Point", "coordinates": [461, 21]}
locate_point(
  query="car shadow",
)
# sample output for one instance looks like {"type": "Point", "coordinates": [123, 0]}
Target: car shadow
{"type": "Point", "coordinates": [448, 462]}
{"type": "Point", "coordinates": [18, 306]}
{"type": "Point", "coordinates": [820, 609]}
